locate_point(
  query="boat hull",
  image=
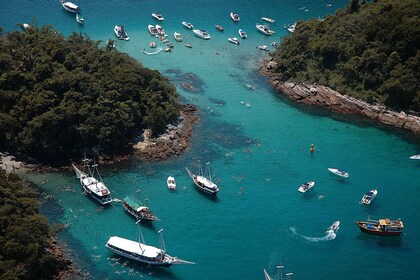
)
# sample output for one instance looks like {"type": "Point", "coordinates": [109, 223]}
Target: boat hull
{"type": "Point", "coordinates": [145, 261]}
{"type": "Point", "coordinates": [363, 226]}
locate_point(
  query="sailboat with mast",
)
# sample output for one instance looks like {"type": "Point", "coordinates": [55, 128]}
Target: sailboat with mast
{"type": "Point", "coordinates": [279, 274]}
{"type": "Point", "coordinates": [139, 251]}
{"type": "Point", "coordinates": [204, 180]}
{"type": "Point", "coordinates": [91, 186]}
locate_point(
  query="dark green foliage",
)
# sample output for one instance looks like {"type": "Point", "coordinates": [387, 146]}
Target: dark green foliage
{"type": "Point", "coordinates": [370, 51]}
{"type": "Point", "coordinates": [60, 97]}
{"type": "Point", "coordinates": [24, 233]}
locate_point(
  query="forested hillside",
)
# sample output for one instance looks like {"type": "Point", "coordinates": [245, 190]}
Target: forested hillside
{"type": "Point", "coordinates": [370, 51]}
{"type": "Point", "coordinates": [62, 96]}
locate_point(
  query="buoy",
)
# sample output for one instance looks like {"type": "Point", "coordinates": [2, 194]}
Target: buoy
{"type": "Point", "coordinates": [312, 148]}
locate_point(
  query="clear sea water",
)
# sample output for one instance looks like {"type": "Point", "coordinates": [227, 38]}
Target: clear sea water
{"type": "Point", "coordinates": [260, 152]}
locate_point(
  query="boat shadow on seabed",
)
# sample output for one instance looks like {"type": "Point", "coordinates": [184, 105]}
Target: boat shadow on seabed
{"type": "Point", "coordinates": [381, 241]}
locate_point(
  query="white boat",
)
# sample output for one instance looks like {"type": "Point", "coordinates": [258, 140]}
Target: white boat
{"type": "Point", "coordinates": [152, 30]}
{"type": "Point", "coordinates": [263, 47]}
{"type": "Point", "coordinates": [141, 252]}
{"type": "Point", "coordinates": [264, 29]}
{"type": "Point", "coordinates": [334, 226]}
{"type": "Point", "coordinates": [188, 45]}
{"type": "Point", "coordinates": [219, 27]}
{"type": "Point", "coordinates": [69, 6]}
{"type": "Point", "coordinates": [368, 197]}
{"type": "Point", "coordinates": [416, 157]}
{"type": "Point", "coordinates": [305, 187]}
{"type": "Point", "coordinates": [270, 20]}
{"type": "Point", "coordinates": [91, 186]}
{"type": "Point", "coordinates": [171, 183]}
{"type": "Point", "coordinates": [203, 34]}
{"type": "Point", "coordinates": [235, 16]}
{"type": "Point", "coordinates": [160, 30]}
{"type": "Point", "coordinates": [121, 33]}
{"type": "Point", "coordinates": [339, 172]}
{"type": "Point", "coordinates": [291, 27]}
{"type": "Point", "coordinates": [242, 34]}
{"type": "Point", "coordinates": [26, 26]}
{"type": "Point", "coordinates": [187, 25]}
{"type": "Point", "coordinates": [138, 210]}
{"type": "Point", "coordinates": [80, 19]}
{"type": "Point", "coordinates": [157, 16]}
{"type": "Point", "coordinates": [177, 37]}
{"type": "Point", "coordinates": [203, 181]}
{"type": "Point", "coordinates": [234, 40]}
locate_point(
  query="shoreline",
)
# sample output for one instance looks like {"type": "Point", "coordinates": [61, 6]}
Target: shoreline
{"type": "Point", "coordinates": [323, 96]}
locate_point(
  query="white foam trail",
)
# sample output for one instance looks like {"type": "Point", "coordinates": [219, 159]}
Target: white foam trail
{"type": "Point", "coordinates": [330, 235]}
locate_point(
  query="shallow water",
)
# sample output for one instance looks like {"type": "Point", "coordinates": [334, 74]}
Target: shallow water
{"type": "Point", "coordinates": [258, 145]}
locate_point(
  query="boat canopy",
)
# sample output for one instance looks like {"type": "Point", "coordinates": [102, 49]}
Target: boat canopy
{"type": "Point", "coordinates": [133, 204]}
{"type": "Point", "coordinates": [135, 247]}
{"type": "Point", "coordinates": [71, 5]}
{"type": "Point", "coordinates": [206, 182]}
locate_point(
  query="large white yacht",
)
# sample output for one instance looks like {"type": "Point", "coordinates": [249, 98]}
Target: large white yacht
{"type": "Point", "coordinates": [203, 34]}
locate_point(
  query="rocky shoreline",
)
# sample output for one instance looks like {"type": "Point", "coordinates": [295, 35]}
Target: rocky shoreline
{"type": "Point", "coordinates": [322, 96]}
{"type": "Point", "coordinates": [172, 143]}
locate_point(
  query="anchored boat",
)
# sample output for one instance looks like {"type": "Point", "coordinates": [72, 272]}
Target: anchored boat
{"type": "Point", "coordinates": [382, 227]}
{"type": "Point", "coordinates": [203, 182]}
{"type": "Point", "coordinates": [141, 212]}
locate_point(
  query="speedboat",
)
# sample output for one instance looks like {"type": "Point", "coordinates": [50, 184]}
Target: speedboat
{"type": "Point", "coordinates": [305, 187]}
{"type": "Point", "coordinates": [235, 16]}
{"type": "Point", "coordinates": [188, 45]}
{"type": "Point", "coordinates": [338, 172]}
{"type": "Point", "coordinates": [171, 183]}
{"type": "Point", "coordinates": [334, 226]}
{"type": "Point", "coordinates": [234, 40]}
{"type": "Point", "coordinates": [417, 157]}
{"type": "Point", "coordinates": [121, 32]}
{"type": "Point", "coordinates": [160, 30]}
{"type": "Point", "coordinates": [291, 27]}
{"type": "Point", "coordinates": [157, 16]}
{"type": "Point", "coordinates": [26, 26]}
{"type": "Point", "coordinates": [382, 227]}
{"type": "Point", "coordinates": [219, 27]}
{"type": "Point", "coordinates": [80, 19]}
{"type": "Point", "coordinates": [270, 20]}
{"type": "Point", "coordinates": [177, 37]}
{"type": "Point", "coordinates": [264, 29]}
{"type": "Point", "coordinates": [69, 6]}
{"type": "Point", "coordinates": [187, 25]}
{"type": "Point", "coordinates": [368, 197]}
{"type": "Point", "coordinates": [203, 34]}
{"type": "Point", "coordinates": [242, 33]}
{"type": "Point", "coordinates": [263, 47]}
{"type": "Point", "coordinates": [152, 30]}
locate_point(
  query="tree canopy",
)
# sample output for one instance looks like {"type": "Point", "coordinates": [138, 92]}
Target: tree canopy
{"type": "Point", "coordinates": [61, 96]}
{"type": "Point", "coordinates": [24, 233]}
{"type": "Point", "coordinates": [370, 51]}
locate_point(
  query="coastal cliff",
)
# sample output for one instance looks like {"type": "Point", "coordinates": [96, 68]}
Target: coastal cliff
{"type": "Point", "coordinates": [323, 96]}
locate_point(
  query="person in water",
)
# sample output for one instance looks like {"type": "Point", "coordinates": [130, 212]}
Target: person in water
{"type": "Point", "coordinates": [312, 148]}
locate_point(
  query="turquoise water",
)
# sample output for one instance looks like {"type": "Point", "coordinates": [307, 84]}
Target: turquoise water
{"type": "Point", "coordinates": [260, 153]}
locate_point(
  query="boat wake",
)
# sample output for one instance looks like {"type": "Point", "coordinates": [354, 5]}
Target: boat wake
{"type": "Point", "coordinates": [152, 53]}
{"type": "Point", "coordinates": [330, 234]}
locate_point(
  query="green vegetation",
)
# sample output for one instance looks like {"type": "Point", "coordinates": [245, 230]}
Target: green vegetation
{"type": "Point", "coordinates": [24, 233]}
{"type": "Point", "coordinates": [62, 96]}
{"type": "Point", "coordinates": [369, 51]}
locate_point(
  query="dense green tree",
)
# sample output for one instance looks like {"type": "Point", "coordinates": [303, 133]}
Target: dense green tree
{"type": "Point", "coordinates": [369, 50]}
{"type": "Point", "coordinates": [61, 96]}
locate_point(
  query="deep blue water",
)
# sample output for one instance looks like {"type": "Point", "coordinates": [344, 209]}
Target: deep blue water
{"type": "Point", "coordinates": [260, 152]}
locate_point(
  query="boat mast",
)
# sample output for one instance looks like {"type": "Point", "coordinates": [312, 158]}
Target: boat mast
{"type": "Point", "coordinates": [140, 235]}
{"type": "Point", "coordinates": [208, 175]}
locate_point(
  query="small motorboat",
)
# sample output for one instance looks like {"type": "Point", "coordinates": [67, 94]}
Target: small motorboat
{"type": "Point", "coordinates": [339, 172]}
{"type": "Point", "coordinates": [416, 157]}
{"type": "Point", "coordinates": [69, 6]}
{"type": "Point", "coordinates": [188, 45]}
{"type": "Point", "coordinates": [368, 197]}
{"type": "Point", "coordinates": [80, 19]}
{"type": "Point", "coordinates": [157, 16]}
{"type": "Point", "coordinates": [291, 27]}
{"type": "Point", "coordinates": [270, 20]}
{"type": "Point", "coordinates": [203, 34]}
{"type": "Point", "coordinates": [305, 187]}
{"type": "Point", "coordinates": [263, 47]}
{"type": "Point", "coordinates": [264, 29]}
{"type": "Point", "coordinates": [219, 27]}
{"type": "Point", "coordinates": [234, 40]}
{"type": "Point", "coordinates": [334, 226]}
{"type": "Point", "coordinates": [171, 183]}
{"type": "Point", "coordinates": [152, 30]}
{"type": "Point", "coordinates": [242, 33]}
{"type": "Point", "coordinates": [121, 33]}
{"type": "Point", "coordinates": [235, 17]}
{"type": "Point", "coordinates": [177, 37]}
{"type": "Point", "coordinates": [160, 30]}
{"type": "Point", "coordinates": [187, 25]}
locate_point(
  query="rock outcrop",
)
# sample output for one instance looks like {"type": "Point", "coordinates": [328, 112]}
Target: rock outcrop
{"type": "Point", "coordinates": [319, 95]}
{"type": "Point", "coordinates": [171, 143]}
